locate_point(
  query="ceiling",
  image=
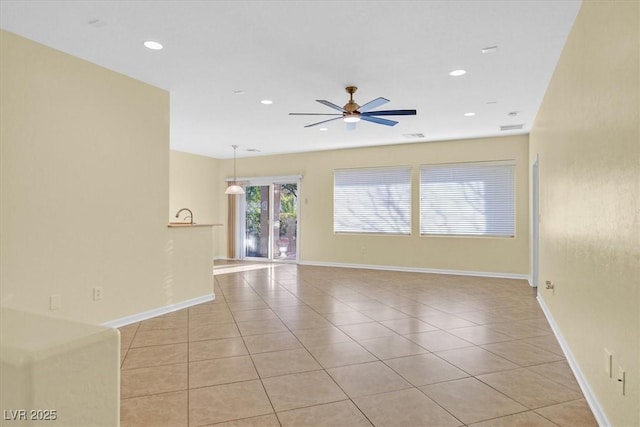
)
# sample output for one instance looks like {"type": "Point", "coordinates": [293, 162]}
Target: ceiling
{"type": "Point", "coordinates": [221, 58]}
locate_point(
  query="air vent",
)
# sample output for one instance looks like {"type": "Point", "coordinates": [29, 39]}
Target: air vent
{"type": "Point", "coordinates": [413, 135]}
{"type": "Point", "coordinates": [96, 23]}
{"type": "Point", "coordinates": [512, 127]}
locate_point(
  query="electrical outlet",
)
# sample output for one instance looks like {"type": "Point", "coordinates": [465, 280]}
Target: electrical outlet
{"type": "Point", "coordinates": [622, 379]}
{"type": "Point", "coordinates": [97, 293]}
{"type": "Point", "coordinates": [55, 302]}
{"type": "Point", "coordinates": [608, 359]}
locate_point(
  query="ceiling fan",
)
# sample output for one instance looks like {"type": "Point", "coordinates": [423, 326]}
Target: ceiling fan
{"type": "Point", "coordinates": [352, 113]}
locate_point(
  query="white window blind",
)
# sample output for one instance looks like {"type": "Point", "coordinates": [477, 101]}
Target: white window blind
{"type": "Point", "coordinates": [372, 200]}
{"type": "Point", "coordinates": [476, 199]}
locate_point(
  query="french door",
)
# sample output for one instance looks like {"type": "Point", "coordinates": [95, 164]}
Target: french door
{"type": "Point", "coordinates": [269, 221]}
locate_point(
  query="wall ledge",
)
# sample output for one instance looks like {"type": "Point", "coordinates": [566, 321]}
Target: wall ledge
{"type": "Point", "coordinates": [418, 270]}
{"type": "Point", "coordinates": [598, 413]}
{"type": "Point", "coordinates": [138, 317]}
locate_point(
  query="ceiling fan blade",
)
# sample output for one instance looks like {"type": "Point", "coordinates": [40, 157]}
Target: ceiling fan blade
{"type": "Point", "coordinates": [324, 121]}
{"type": "Point", "coordinates": [378, 120]}
{"type": "Point", "coordinates": [373, 104]}
{"type": "Point", "coordinates": [390, 113]}
{"type": "Point", "coordinates": [330, 104]}
{"type": "Point", "coordinates": [315, 114]}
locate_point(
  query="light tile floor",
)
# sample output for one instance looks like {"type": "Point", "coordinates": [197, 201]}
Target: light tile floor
{"type": "Point", "coordinates": [287, 345]}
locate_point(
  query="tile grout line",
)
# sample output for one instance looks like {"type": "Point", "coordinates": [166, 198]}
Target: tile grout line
{"type": "Point", "coordinates": [323, 369]}
{"type": "Point", "coordinates": [251, 358]}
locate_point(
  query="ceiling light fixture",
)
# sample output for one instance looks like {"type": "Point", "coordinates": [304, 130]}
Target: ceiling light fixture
{"type": "Point", "coordinates": [469, 114]}
{"type": "Point", "coordinates": [458, 73]}
{"type": "Point", "coordinates": [150, 44]}
{"type": "Point", "coordinates": [267, 101]}
{"type": "Point", "coordinates": [489, 49]}
{"type": "Point", "coordinates": [351, 117]}
{"type": "Point", "coordinates": [234, 188]}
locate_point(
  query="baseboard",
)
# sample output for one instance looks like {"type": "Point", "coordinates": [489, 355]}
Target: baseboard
{"type": "Point", "coordinates": [418, 270]}
{"type": "Point", "coordinates": [598, 413]}
{"type": "Point", "coordinates": [138, 317]}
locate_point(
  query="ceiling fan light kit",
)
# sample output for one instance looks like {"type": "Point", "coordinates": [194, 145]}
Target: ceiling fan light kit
{"type": "Point", "coordinates": [353, 113]}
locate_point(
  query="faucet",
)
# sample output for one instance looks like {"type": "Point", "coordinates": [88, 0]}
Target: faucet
{"type": "Point", "coordinates": [190, 215]}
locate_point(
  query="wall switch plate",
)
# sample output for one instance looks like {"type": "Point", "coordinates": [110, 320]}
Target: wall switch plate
{"type": "Point", "coordinates": [608, 359]}
{"type": "Point", "coordinates": [622, 379]}
{"type": "Point", "coordinates": [97, 293]}
{"type": "Point", "coordinates": [55, 302]}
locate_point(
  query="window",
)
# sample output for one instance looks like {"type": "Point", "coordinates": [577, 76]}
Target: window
{"type": "Point", "coordinates": [476, 199]}
{"type": "Point", "coordinates": [372, 200]}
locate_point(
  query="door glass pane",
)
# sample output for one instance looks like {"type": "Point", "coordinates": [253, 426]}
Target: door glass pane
{"type": "Point", "coordinates": [257, 222]}
{"type": "Point", "coordinates": [285, 197]}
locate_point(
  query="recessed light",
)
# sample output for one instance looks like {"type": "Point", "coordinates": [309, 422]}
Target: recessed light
{"type": "Point", "coordinates": [513, 113]}
{"type": "Point", "coordinates": [150, 44]}
{"type": "Point", "coordinates": [323, 129]}
{"type": "Point", "coordinates": [492, 102]}
{"type": "Point", "coordinates": [489, 49]}
{"type": "Point", "coordinates": [457, 73]}
{"type": "Point", "coordinates": [239, 92]}
{"type": "Point", "coordinates": [267, 101]}
{"type": "Point", "coordinates": [469, 114]}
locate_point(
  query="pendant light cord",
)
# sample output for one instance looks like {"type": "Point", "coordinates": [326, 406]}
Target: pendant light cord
{"type": "Point", "coordinates": [235, 179]}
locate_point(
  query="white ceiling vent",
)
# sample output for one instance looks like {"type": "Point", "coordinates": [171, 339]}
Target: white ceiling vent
{"type": "Point", "coordinates": [512, 127]}
{"type": "Point", "coordinates": [96, 23]}
{"type": "Point", "coordinates": [413, 135]}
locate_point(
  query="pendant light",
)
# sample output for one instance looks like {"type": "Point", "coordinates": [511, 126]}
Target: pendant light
{"type": "Point", "coordinates": [234, 188]}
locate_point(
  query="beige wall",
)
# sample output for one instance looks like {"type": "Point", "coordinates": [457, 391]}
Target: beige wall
{"type": "Point", "coordinates": [194, 184]}
{"type": "Point", "coordinates": [85, 190]}
{"type": "Point", "coordinates": [71, 368]}
{"type": "Point", "coordinates": [318, 243]}
{"type": "Point", "coordinates": [586, 134]}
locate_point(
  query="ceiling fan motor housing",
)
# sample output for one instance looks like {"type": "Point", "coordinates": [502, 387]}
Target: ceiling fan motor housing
{"type": "Point", "coordinates": [351, 106]}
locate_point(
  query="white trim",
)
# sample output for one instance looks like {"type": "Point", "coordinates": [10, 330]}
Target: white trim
{"type": "Point", "coordinates": [598, 413]}
{"type": "Point", "coordinates": [418, 270]}
{"type": "Point", "coordinates": [138, 317]}
{"type": "Point", "coordinates": [534, 223]}
{"type": "Point", "coordinates": [266, 180]}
